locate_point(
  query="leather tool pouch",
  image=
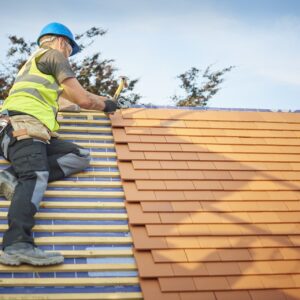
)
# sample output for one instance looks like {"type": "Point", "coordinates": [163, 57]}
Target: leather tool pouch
{"type": "Point", "coordinates": [26, 127]}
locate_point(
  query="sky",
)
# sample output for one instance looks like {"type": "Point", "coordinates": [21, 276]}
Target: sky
{"type": "Point", "coordinates": [156, 40]}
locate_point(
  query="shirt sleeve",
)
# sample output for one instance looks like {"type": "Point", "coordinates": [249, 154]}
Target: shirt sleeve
{"type": "Point", "coordinates": [54, 63]}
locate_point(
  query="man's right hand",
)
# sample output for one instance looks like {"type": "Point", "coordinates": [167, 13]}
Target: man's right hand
{"type": "Point", "coordinates": [110, 106]}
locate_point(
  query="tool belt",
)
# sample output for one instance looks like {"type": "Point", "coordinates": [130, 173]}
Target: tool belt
{"type": "Point", "coordinates": [26, 127]}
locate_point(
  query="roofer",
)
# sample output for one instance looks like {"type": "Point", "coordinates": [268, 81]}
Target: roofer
{"type": "Point", "coordinates": [30, 142]}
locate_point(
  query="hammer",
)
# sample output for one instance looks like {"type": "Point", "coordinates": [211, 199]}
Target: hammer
{"type": "Point", "coordinates": [122, 84]}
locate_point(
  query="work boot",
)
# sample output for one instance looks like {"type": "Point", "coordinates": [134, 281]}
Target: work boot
{"type": "Point", "coordinates": [8, 185]}
{"type": "Point", "coordinates": [19, 253]}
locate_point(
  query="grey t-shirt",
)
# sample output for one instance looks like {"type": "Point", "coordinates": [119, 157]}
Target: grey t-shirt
{"type": "Point", "coordinates": [54, 63]}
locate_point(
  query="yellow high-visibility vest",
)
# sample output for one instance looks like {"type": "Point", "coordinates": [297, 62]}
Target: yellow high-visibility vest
{"type": "Point", "coordinates": [35, 93]}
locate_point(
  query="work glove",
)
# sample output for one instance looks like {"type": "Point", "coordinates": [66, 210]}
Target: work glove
{"type": "Point", "coordinates": [110, 106]}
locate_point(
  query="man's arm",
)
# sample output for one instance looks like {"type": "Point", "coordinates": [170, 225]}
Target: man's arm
{"type": "Point", "coordinates": [74, 92]}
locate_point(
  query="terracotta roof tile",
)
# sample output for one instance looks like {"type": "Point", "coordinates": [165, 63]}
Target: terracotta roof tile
{"type": "Point", "coordinates": [266, 253]}
{"type": "Point", "coordinates": [184, 185]}
{"type": "Point", "coordinates": [174, 165]}
{"type": "Point", "coordinates": [189, 269]}
{"type": "Point", "coordinates": [169, 255]}
{"type": "Point", "coordinates": [179, 242]}
{"type": "Point", "coordinates": [157, 206]}
{"type": "Point", "coordinates": [141, 239]}
{"type": "Point", "coordinates": [152, 138]}
{"type": "Point", "coordinates": [191, 174]}
{"type": "Point", "coordinates": [128, 173]}
{"type": "Point", "coordinates": [211, 283]}
{"type": "Point", "coordinates": [213, 201]}
{"type": "Point", "coordinates": [186, 206]}
{"type": "Point", "coordinates": [120, 136]}
{"type": "Point", "coordinates": [132, 194]}
{"type": "Point", "coordinates": [291, 294]}
{"type": "Point", "coordinates": [137, 216]}
{"type": "Point", "coordinates": [175, 218]}
{"type": "Point", "coordinates": [267, 294]}
{"type": "Point", "coordinates": [197, 296]}
{"type": "Point", "coordinates": [141, 147]}
{"type": "Point", "coordinates": [201, 165]}
{"type": "Point", "coordinates": [199, 195]}
{"type": "Point", "coordinates": [234, 295]}
{"type": "Point", "coordinates": [150, 185]}
{"type": "Point", "coordinates": [278, 281]}
{"type": "Point", "coordinates": [162, 174]}
{"type": "Point", "coordinates": [162, 230]}
{"type": "Point", "coordinates": [199, 255]}
{"type": "Point", "coordinates": [234, 254]}
{"type": "Point", "coordinates": [290, 253]}
{"type": "Point", "coordinates": [148, 268]}
{"type": "Point", "coordinates": [223, 268]}
{"type": "Point", "coordinates": [124, 153]}
{"type": "Point", "coordinates": [151, 290]}
{"type": "Point", "coordinates": [158, 156]}
{"type": "Point", "coordinates": [177, 284]}
{"type": "Point", "coordinates": [170, 195]}
{"type": "Point", "coordinates": [246, 282]}
{"type": "Point", "coordinates": [146, 165]}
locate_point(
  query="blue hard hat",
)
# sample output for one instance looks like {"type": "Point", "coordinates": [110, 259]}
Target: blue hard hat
{"type": "Point", "coordinates": [60, 30]}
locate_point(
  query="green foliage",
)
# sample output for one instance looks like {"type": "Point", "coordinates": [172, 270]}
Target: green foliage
{"type": "Point", "coordinates": [95, 74]}
{"type": "Point", "coordinates": [198, 94]}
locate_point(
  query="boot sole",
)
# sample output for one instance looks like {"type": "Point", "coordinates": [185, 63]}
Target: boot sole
{"type": "Point", "coordinates": [16, 260]}
{"type": "Point", "coordinates": [6, 191]}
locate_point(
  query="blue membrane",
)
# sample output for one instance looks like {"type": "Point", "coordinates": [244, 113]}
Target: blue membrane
{"type": "Point", "coordinates": [66, 289]}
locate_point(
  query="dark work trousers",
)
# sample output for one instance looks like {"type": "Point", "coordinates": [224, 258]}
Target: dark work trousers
{"type": "Point", "coordinates": [34, 164]}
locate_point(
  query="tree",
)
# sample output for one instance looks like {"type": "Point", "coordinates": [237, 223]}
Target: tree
{"type": "Point", "coordinates": [95, 74]}
{"type": "Point", "coordinates": [199, 94]}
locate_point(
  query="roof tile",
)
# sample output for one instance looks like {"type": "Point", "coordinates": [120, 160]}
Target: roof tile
{"type": "Point", "coordinates": [174, 165]}
{"type": "Point", "coordinates": [197, 296]}
{"type": "Point", "coordinates": [175, 218]}
{"type": "Point", "coordinates": [200, 255]}
{"type": "Point", "coordinates": [132, 194]}
{"type": "Point", "coordinates": [147, 267]}
{"type": "Point", "coordinates": [169, 255]}
{"type": "Point", "coordinates": [267, 294]}
{"type": "Point", "coordinates": [120, 136]}
{"type": "Point", "coordinates": [245, 282]}
{"type": "Point", "coordinates": [162, 174]}
{"type": "Point", "coordinates": [146, 165]}
{"type": "Point", "coordinates": [158, 156]}
{"type": "Point", "coordinates": [211, 283]}
{"type": "Point", "coordinates": [162, 230]}
{"type": "Point", "coordinates": [151, 290]}
{"type": "Point", "coordinates": [150, 185]}
{"type": "Point", "coordinates": [157, 206]}
{"type": "Point", "coordinates": [234, 254]}
{"type": "Point", "coordinates": [176, 284]}
{"type": "Point", "coordinates": [186, 206]}
{"type": "Point", "coordinates": [223, 268]}
{"type": "Point", "coordinates": [235, 295]}
{"type": "Point", "coordinates": [128, 173]}
{"type": "Point", "coordinates": [189, 269]}
{"type": "Point", "coordinates": [141, 239]}
{"type": "Point", "coordinates": [137, 216]}
{"type": "Point", "coordinates": [225, 186]}
{"type": "Point", "coordinates": [124, 153]}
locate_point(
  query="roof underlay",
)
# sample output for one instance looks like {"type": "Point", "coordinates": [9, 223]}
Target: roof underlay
{"type": "Point", "coordinates": [84, 218]}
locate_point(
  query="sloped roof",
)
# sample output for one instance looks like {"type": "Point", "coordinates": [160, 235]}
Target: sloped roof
{"type": "Point", "coordinates": [213, 202]}
{"type": "Point", "coordinates": [84, 218]}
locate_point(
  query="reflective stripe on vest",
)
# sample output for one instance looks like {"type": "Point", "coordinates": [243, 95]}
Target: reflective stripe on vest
{"type": "Point", "coordinates": [35, 93]}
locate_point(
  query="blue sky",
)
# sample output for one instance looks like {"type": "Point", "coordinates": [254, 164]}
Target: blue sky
{"type": "Point", "coordinates": [157, 40]}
